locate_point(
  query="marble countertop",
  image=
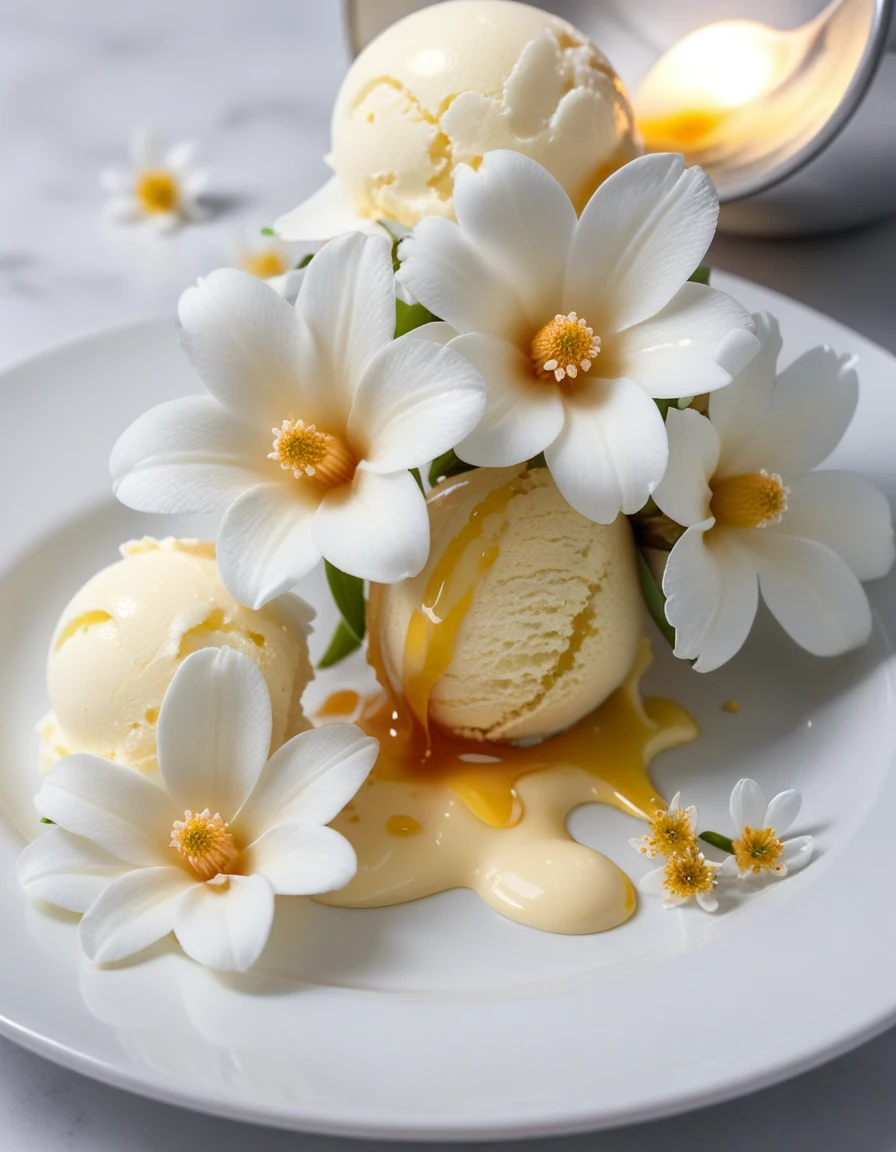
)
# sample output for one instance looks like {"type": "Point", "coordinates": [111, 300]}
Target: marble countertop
{"type": "Point", "coordinates": [254, 84]}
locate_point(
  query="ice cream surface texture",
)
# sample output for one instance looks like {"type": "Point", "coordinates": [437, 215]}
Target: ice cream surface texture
{"type": "Point", "coordinates": [526, 617]}
{"type": "Point", "coordinates": [453, 81]}
{"type": "Point", "coordinates": [123, 635]}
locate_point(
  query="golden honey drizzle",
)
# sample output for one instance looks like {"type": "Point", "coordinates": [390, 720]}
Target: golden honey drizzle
{"type": "Point", "coordinates": [441, 812]}
{"type": "Point", "coordinates": [684, 131]}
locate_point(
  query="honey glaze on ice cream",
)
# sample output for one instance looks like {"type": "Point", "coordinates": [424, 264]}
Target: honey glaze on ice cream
{"type": "Point", "coordinates": [447, 807]}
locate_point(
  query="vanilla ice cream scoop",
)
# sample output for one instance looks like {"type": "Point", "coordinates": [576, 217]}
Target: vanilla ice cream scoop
{"type": "Point", "coordinates": [122, 637]}
{"type": "Point", "coordinates": [526, 617]}
{"type": "Point", "coordinates": [448, 84]}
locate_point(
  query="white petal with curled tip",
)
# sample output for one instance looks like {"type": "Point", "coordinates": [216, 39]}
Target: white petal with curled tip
{"type": "Point", "coordinates": [214, 731]}
{"type": "Point", "coordinates": [377, 528]}
{"type": "Point", "coordinates": [442, 269]}
{"type": "Point", "coordinates": [783, 810]}
{"type": "Point", "coordinates": [133, 912]}
{"type": "Point", "coordinates": [309, 780]}
{"type": "Point", "coordinates": [225, 923]}
{"type": "Point", "coordinates": [811, 406]}
{"type": "Point", "coordinates": [328, 212]}
{"type": "Point", "coordinates": [67, 870]}
{"type": "Point", "coordinates": [696, 344]}
{"type": "Point", "coordinates": [415, 400]}
{"type": "Point", "coordinates": [116, 807]}
{"type": "Point", "coordinates": [639, 238]}
{"type": "Point", "coordinates": [845, 512]}
{"type": "Point", "coordinates": [738, 410]}
{"type": "Point", "coordinates": [518, 216]}
{"type": "Point", "coordinates": [347, 301]}
{"type": "Point", "coordinates": [612, 450]}
{"type": "Point", "coordinates": [797, 853]}
{"type": "Point", "coordinates": [748, 805]}
{"type": "Point", "coordinates": [302, 859]}
{"type": "Point", "coordinates": [813, 594]}
{"type": "Point", "coordinates": [250, 351]}
{"type": "Point", "coordinates": [684, 493]}
{"type": "Point", "coordinates": [265, 542]}
{"type": "Point", "coordinates": [522, 415]}
{"type": "Point", "coordinates": [708, 901]}
{"type": "Point", "coordinates": [653, 883]}
{"type": "Point", "coordinates": [188, 455]}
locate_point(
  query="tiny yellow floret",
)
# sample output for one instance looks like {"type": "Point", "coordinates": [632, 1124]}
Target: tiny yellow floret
{"type": "Point", "coordinates": [759, 850]}
{"type": "Point", "coordinates": [205, 842]}
{"type": "Point", "coordinates": [265, 264]}
{"type": "Point", "coordinates": [564, 347]}
{"type": "Point", "coordinates": [158, 191]}
{"type": "Point", "coordinates": [669, 833]}
{"type": "Point", "coordinates": [689, 874]}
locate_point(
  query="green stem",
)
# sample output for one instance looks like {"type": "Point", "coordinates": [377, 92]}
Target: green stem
{"type": "Point", "coordinates": [717, 840]}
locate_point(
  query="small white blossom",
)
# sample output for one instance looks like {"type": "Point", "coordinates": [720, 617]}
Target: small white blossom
{"type": "Point", "coordinates": [163, 186]}
{"type": "Point", "coordinates": [758, 847]}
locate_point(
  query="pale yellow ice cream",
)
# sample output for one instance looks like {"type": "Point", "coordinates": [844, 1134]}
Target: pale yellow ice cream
{"type": "Point", "coordinates": [526, 617]}
{"type": "Point", "coordinates": [122, 637]}
{"type": "Point", "coordinates": [451, 82]}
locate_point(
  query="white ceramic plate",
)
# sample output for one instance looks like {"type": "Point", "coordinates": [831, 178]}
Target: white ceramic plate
{"type": "Point", "coordinates": [439, 1018]}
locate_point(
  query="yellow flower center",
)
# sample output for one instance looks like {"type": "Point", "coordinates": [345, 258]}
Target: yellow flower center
{"type": "Point", "coordinates": [753, 500]}
{"type": "Point", "coordinates": [205, 843]}
{"type": "Point", "coordinates": [564, 347]}
{"type": "Point", "coordinates": [668, 833]}
{"type": "Point", "coordinates": [265, 264]}
{"type": "Point", "coordinates": [758, 849]}
{"type": "Point", "coordinates": [158, 192]}
{"type": "Point", "coordinates": [301, 449]}
{"type": "Point", "coordinates": [688, 874]}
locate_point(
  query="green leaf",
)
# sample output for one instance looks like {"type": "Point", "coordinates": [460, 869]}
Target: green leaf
{"type": "Point", "coordinates": [718, 841]}
{"type": "Point", "coordinates": [664, 406]}
{"type": "Point", "coordinates": [348, 593]}
{"type": "Point", "coordinates": [44, 820]}
{"type": "Point", "coordinates": [268, 232]}
{"type": "Point", "coordinates": [410, 316]}
{"type": "Point", "coordinates": [415, 472]}
{"type": "Point", "coordinates": [447, 464]}
{"type": "Point", "coordinates": [701, 274]}
{"type": "Point", "coordinates": [654, 599]}
{"type": "Point", "coordinates": [344, 642]}
{"type": "Point", "coordinates": [305, 261]}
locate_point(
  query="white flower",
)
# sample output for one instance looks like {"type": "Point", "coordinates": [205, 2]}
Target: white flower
{"type": "Point", "coordinates": [576, 323]}
{"type": "Point", "coordinates": [759, 827]}
{"type": "Point", "coordinates": [272, 260]}
{"type": "Point", "coordinates": [327, 213]}
{"type": "Point", "coordinates": [204, 855]}
{"type": "Point", "coordinates": [349, 409]}
{"type": "Point", "coordinates": [670, 831]}
{"type": "Point", "coordinates": [759, 519]}
{"type": "Point", "coordinates": [162, 186]}
{"type": "Point", "coordinates": [685, 876]}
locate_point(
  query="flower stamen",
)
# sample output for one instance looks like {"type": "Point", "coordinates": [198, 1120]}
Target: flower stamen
{"type": "Point", "coordinates": [689, 874]}
{"type": "Point", "coordinates": [669, 833]}
{"type": "Point", "coordinates": [564, 347]}
{"type": "Point", "coordinates": [753, 500]}
{"type": "Point", "coordinates": [205, 843]}
{"type": "Point", "coordinates": [158, 191]}
{"type": "Point", "coordinates": [759, 850]}
{"type": "Point", "coordinates": [301, 449]}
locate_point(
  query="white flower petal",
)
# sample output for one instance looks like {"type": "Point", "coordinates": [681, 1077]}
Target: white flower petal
{"type": "Point", "coordinates": [265, 542]}
{"type": "Point", "coordinates": [522, 414]}
{"type": "Point", "coordinates": [376, 528]}
{"type": "Point", "coordinates": [845, 512]}
{"type": "Point", "coordinates": [116, 807]}
{"type": "Point", "coordinates": [181, 157]}
{"type": "Point", "coordinates": [214, 731]}
{"type": "Point", "coordinates": [443, 270]}
{"type": "Point", "coordinates": [133, 912]}
{"type": "Point", "coordinates": [708, 901]}
{"type": "Point", "coordinates": [288, 284]}
{"type": "Point", "coordinates": [797, 853]}
{"type": "Point", "coordinates": [116, 181]}
{"type": "Point", "coordinates": [347, 299]}
{"type": "Point", "coordinates": [728, 869]}
{"type": "Point", "coordinates": [147, 150]}
{"type": "Point", "coordinates": [640, 237]}
{"type": "Point", "coordinates": [736, 411]}
{"type": "Point", "coordinates": [327, 213]}
{"type": "Point", "coordinates": [748, 805]}
{"type": "Point", "coordinates": [310, 779]}
{"type": "Point", "coordinates": [67, 870]}
{"type": "Point", "coordinates": [123, 209]}
{"type": "Point", "coordinates": [684, 492]}
{"type": "Point", "coordinates": [188, 455]}
{"type": "Point", "coordinates": [415, 400]}
{"type": "Point", "coordinates": [812, 593]}
{"type": "Point", "coordinates": [811, 406]}
{"type": "Point", "coordinates": [226, 922]}
{"type": "Point", "coordinates": [518, 216]}
{"type": "Point", "coordinates": [250, 350]}
{"type": "Point", "coordinates": [612, 450]}
{"type": "Point", "coordinates": [302, 859]}
{"type": "Point", "coordinates": [783, 809]}
{"type": "Point", "coordinates": [653, 883]}
{"type": "Point", "coordinates": [696, 344]}
{"type": "Point", "coordinates": [165, 222]}
{"type": "Point", "coordinates": [436, 330]}
{"type": "Point", "coordinates": [738, 602]}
